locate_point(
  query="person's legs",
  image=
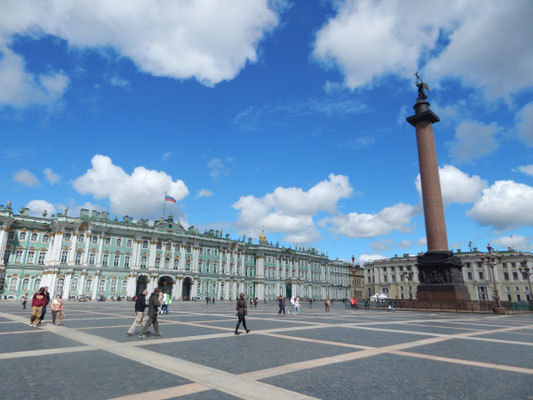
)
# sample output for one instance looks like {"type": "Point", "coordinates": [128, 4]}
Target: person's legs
{"type": "Point", "coordinates": [138, 322]}
{"type": "Point", "coordinates": [43, 312]}
{"type": "Point", "coordinates": [54, 315]}
{"type": "Point", "coordinates": [238, 324]}
{"type": "Point", "coordinates": [244, 324]}
{"type": "Point", "coordinates": [36, 315]}
{"type": "Point", "coordinates": [156, 328]}
{"type": "Point", "coordinates": [149, 321]}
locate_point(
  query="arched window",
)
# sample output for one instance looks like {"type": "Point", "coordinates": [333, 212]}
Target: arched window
{"type": "Point", "coordinates": [74, 284]}
{"type": "Point", "coordinates": [36, 284]}
{"type": "Point", "coordinates": [124, 287]}
{"type": "Point", "coordinates": [13, 284]}
{"type": "Point", "coordinates": [59, 285]}
{"type": "Point", "coordinates": [22, 236]}
{"type": "Point", "coordinates": [143, 262]}
{"type": "Point", "coordinates": [25, 284]}
{"type": "Point", "coordinates": [77, 258]}
{"type": "Point", "coordinates": [101, 285]}
{"type": "Point", "coordinates": [176, 263]}
{"type": "Point", "coordinates": [88, 285]}
{"type": "Point", "coordinates": [46, 238]}
{"type": "Point", "coordinates": [167, 262]}
{"type": "Point", "coordinates": [67, 237]}
{"type": "Point", "coordinates": [81, 238]}
{"type": "Point", "coordinates": [113, 286]}
{"type": "Point", "coordinates": [157, 262]}
{"type": "Point", "coordinates": [188, 264]}
{"type": "Point", "coordinates": [34, 237]}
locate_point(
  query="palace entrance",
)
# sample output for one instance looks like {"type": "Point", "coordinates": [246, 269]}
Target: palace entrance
{"type": "Point", "coordinates": [288, 290]}
{"type": "Point", "coordinates": [166, 283]}
{"type": "Point", "coordinates": [142, 284]}
{"type": "Point", "coordinates": [186, 289]}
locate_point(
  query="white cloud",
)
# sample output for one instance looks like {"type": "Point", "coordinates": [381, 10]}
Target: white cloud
{"type": "Point", "coordinates": [290, 210]}
{"type": "Point", "coordinates": [355, 225]}
{"type": "Point", "coordinates": [21, 88]}
{"type": "Point", "coordinates": [204, 193]}
{"type": "Point", "coordinates": [474, 140]}
{"type": "Point", "coordinates": [26, 178]}
{"type": "Point", "coordinates": [456, 186]}
{"type": "Point", "coordinates": [504, 205]}
{"type": "Point", "coordinates": [526, 169]}
{"type": "Point", "coordinates": [514, 241]}
{"type": "Point", "coordinates": [140, 194]}
{"type": "Point", "coordinates": [382, 245]}
{"type": "Point", "coordinates": [118, 81]}
{"type": "Point", "coordinates": [219, 167]}
{"type": "Point", "coordinates": [422, 241]}
{"type": "Point", "coordinates": [51, 176]}
{"type": "Point", "coordinates": [209, 40]}
{"type": "Point", "coordinates": [369, 39]}
{"type": "Point", "coordinates": [525, 124]}
{"type": "Point", "coordinates": [364, 258]}
{"type": "Point", "coordinates": [405, 244]}
{"type": "Point", "coordinates": [38, 206]}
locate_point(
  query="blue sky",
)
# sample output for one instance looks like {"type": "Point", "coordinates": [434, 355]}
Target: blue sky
{"type": "Point", "coordinates": [276, 114]}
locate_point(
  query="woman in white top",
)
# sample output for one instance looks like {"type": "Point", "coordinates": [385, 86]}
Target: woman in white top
{"type": "Point", "coordinates": [298, 309]}
{"type": "Point", "coordinates": [57, 310]}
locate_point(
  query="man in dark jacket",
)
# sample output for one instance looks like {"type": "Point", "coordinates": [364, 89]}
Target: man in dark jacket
{"type": "Point", "coordinates": [47, 300]}
{"type": "Point", "coordinates": [281, 305]}
{"type": "Point", "coordinates": [140, 305]}
{"type": "Point", "coordinates": [242, 310]}
{"type": "Point", "coordinates": [153, 304]}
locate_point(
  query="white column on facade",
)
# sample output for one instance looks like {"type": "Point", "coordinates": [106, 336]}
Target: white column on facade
{"type": "Point", "coordinates": [3, 244]}
{"type": "Point", "coordinates": [81, 286]}
{"type": "Point", "coordinates": [260, 267]}
{"type": "Point", "coordinates": [179, 283]}
{"type": "Point", "coordinates": [85, 258]}
{"type": "Point", "coordinates": [100, 251]}
{"type": "Point", "coordinates": [96, 283]}
{"type": "Point", "coordinates": [219, 290]}
{"type": "Point", "coordinates": [194, 288]}
{"type": "Point", "coordinates": [278, 274]}
{"type": "Point", "coordinates": [52, 284]}
{"type": "Point", "coordinates": [182, 258]}
{"type": "Point", "coordinates": [151, 256]}
{"type": "Point", "coordinates": [72, 252]}
{"type": "Point", "coordinates": [195, 255]}
{"type": "Point", "coordinates": [243, 269]}
{"type": "Point", "coordinates": [135, 253]}
{"type": "Point", "coordinates": [66, 285]}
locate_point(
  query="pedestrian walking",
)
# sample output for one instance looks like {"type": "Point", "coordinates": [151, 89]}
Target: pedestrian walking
{"type": "Point", "coordinates": [281, 305]}
{"type": "Point", "coordinates": [297, 307]}
{"type": "Point", "coordinates": [169, 301]}
{"type": "Point", "coordinates": [47, 301]}
{"type": "Point", "coordinates": [37, 303]}
{"type": "Point", "coordinates": [24, 300]}
{"type": "Point", "coordinates": [57, 310]}
{"type": "Point", "coordinates": [310, 303]}
{"type": "Point", "coordinates": [164, 304]}
{"type": "Point", "coordinates": [242, 310]}
{"type": "Point", "coordinates": [292, 305]}
{"type": "Point", "coordinates": [391, 307]}
{"type": "Point", "coordinates": [327, 304]}
{"type": "Point", "coordinates": [213, 300]}
{"type": "Point", "coordinates": [255, 302]}
{"type": "Point", "coordinates": [140, 305]}
{"type": "Point", "coordinates": [153, 304]}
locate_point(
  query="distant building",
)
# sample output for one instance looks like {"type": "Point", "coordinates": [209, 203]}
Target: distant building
{"type": "Point", "coordinates": [397, 277]}
{"type": "Point", "coordinates": [92, 256]}
{"type": "Point", "coordinates": [357, 281]}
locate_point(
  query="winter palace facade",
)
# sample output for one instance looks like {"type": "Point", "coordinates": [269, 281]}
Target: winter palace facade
{"type": "Point", "coordinates": [93, 256]}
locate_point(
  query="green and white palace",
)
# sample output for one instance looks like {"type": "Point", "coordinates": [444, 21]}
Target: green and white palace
{"type": "Point", "coordinates": [93, 256]}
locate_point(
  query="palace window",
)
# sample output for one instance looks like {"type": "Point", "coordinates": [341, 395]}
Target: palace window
{"type": "Point", "coordinates": [483, 293]}
{"type": "Point", "coordinates": [59, 285]}
{"type": "Point", "coordinates": [113, 286]}
{"type": "Point", "coordinates": [215, 252]}
{"type": "Point", "coordinates": [143, 261]}
{"type": "Point", "coordinates": [128, 243]}
{"type": "Point", "coordinates": [81, 238]}
{"type": "Point", "coordinates": [94, 239]}
{"type": "Point", "coordinates": [13, 284]}
{"type": "Point", "coordinates": [187, 265]}
{"type": "Point", "coordinates": [176, 263]}
{"type": "Point", "coordinates": [167, 263]}
{"type": "Point", "coordinates": [30, 258]}
{"type": "Point", "coordinates": [145, 244]}
{"type": "Point", "coordinates": [46, 238]}
{"type": "Point", "coordinates": [208, 251]}
{"type": "Point", "coordinates": [119, 242]}
{"type": "Point", "coordinates": [188, 249]}
{"type": "Point", "coordinates": [469, 276]}
{"type": "Point", "coordinates": [116, 260]}
{"type": "Point", "coordinates": [92, 258]}
{"type": "Point", "coordinates": [506, 276]}
{"type": "Point", "coordinates": [67, 237]}
{"type": "Point", "coordinates": [157, 262]}
{"type": "Point", "coordinates": [18, 256]}
{"type": "Point", "coordinates": [126, 261]}
{"type": "Point", "coordinates": [158, 246]}
{"type": "Point", "coordinates": [74, 285]}
{"type": "Point", "coordinates": [42, 256]}
{"type": "Point", "coordinates": [22, 236]}
{"type": "Point", "coordinates": [124, 286]}
{"type": "Point", "coordinates": [515, 276]}
{"type": "Point", "coordinates": [107, 241]}
{"type": "Point", "coordinates": [77, 258]}
{"type": "Point", "coordinates": [105, 259]}
{"type": "Point", "coordinates": [25, 284]}
{"type": "Point", "coordinates": [36, 284]}
{"type": "Point", "coordinates": [168, 247]}
{"type": "Point", "coordinates": [34, 237]}
{"type": "Point", "coordinates": [88, 285]}
{"type": "Point", "coordinates": [11, 235]}
{"type": "Point", "coordinates": [101, 285]}
{"type": "Point", "coordinates": [481, 275]}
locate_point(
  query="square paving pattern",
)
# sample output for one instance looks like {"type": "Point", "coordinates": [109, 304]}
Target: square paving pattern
{"type": "Point", "coordinates": [342, 354]}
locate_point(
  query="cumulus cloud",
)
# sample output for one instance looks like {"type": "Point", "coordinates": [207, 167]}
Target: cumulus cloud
{"type": "Point", "coordinates": [139, 194]}
{"type": "Point", "coordinates": [524, 124]}
{"type": "Point", "coordinates": [526, 169]}
{"type": "Point", "coordinates": [117, 81]}
{"type": "Point", "coordinates": [220, 167]}
{"type": "Point", "coordinates": [38, 206]}
{"type": "Point", "coordinates": [21, 88]}
{"type": "Point", "coordinates": [382, 245]}
{"type": "Point", "coordinates": [204, 193]}
{"type": "Point", "coordinates": [209, 40]}
{"type": "Point", "coordinates": [474, 140]}
{"type": "Point", "coordinates": [364, 258]}
{"type": "Point", "coordinates": [51, 176]}
{"type": "Point", "coordinates": [290, 211]}
{"type": "Point", "coordinates": [367, 40]}
{"type": "Point", "coordinates": [355, 225]}
{"type": "Point", "coordinates": [456, 186]}
{"type": "Point", "coordinates": [515, 242]}
{"type": "Point", "coordinates": [26, 178]}
{"type": "Point", "coordinates": [504, 205]}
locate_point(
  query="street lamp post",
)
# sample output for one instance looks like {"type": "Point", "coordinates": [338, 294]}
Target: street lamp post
{"type": "Point", "coordinates": [525, 270]}
{"type": "Point", "coordinates": [493, 259]}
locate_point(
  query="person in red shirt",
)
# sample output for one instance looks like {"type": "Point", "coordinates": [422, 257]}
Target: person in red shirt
{"type": "Point", "coordinates": [37, 303]}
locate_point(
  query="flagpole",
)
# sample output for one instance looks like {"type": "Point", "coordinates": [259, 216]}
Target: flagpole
{"type": "Point", "coordinates": [164, 204]}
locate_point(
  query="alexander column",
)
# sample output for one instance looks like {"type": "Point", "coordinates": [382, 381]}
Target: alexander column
{"type": "Point", "coordinates": [439, 271]}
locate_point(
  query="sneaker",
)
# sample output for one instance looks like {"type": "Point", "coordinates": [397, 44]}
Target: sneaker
{"type": "Point", "coordinates": [248, 331]}
{"type": "Point", "coordinates": [237, 333]}
{"type": "Point", "coordinates": [31, 325]}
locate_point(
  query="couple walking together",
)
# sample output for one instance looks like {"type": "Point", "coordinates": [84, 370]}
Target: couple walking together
{"type": "Point", "coordinates": [140, 305]}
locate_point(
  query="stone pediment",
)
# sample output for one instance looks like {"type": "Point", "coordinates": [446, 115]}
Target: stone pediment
{"type": "Point", "coordinates": [167, 226]}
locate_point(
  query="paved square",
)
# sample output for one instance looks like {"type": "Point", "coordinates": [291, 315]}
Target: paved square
{"type": "Point", "coordinates": [343, 354]}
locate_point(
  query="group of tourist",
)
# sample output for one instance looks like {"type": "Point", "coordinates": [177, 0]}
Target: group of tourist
{"type": "Point", "coordinates": [39, 302]}
{"type": "Point", "coordinates": [295, 306]}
